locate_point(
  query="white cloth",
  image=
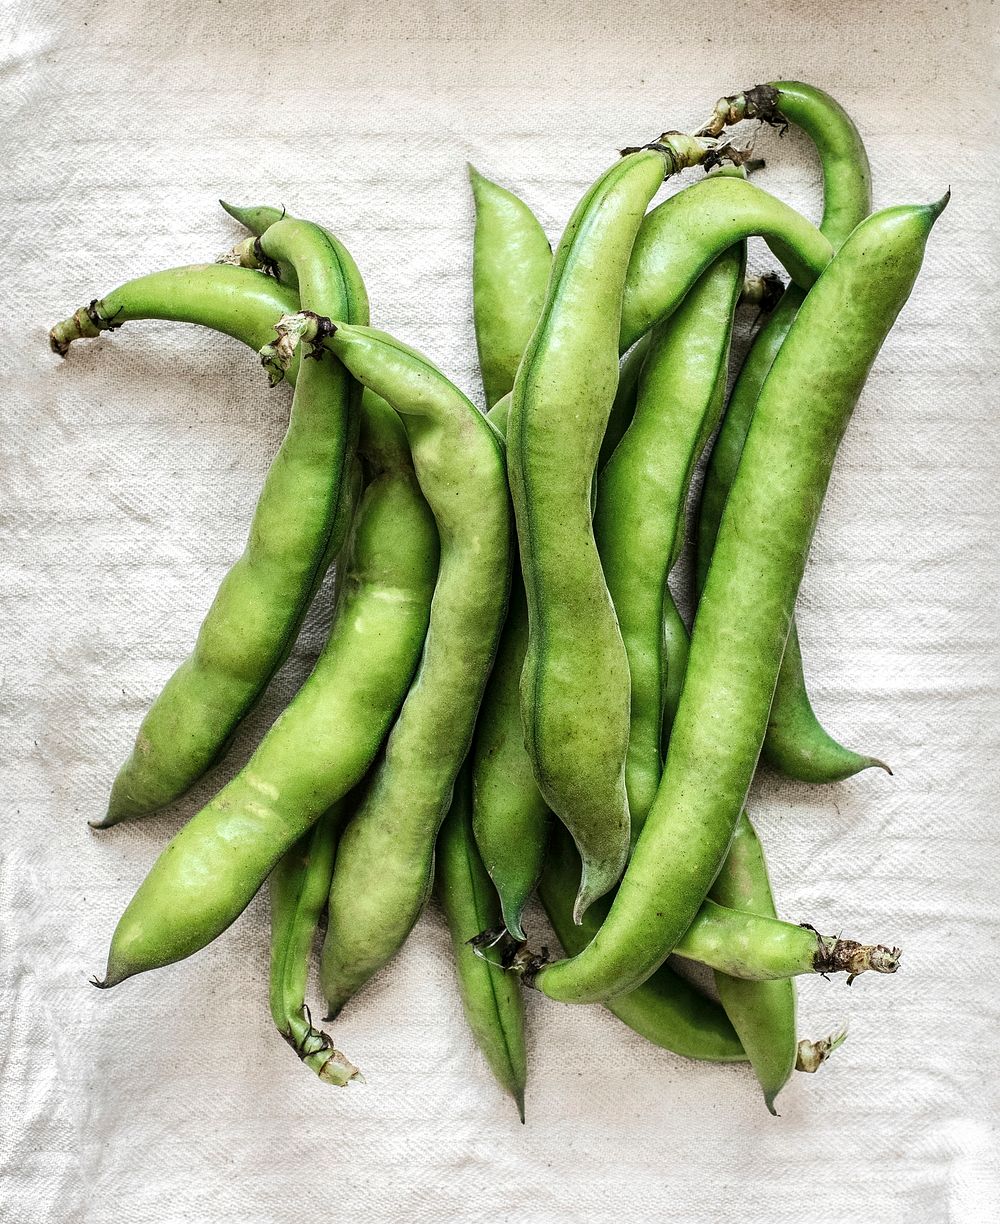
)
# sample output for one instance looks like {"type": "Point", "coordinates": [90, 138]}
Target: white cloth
{"type": "Point", "coordinates": [129, 473]}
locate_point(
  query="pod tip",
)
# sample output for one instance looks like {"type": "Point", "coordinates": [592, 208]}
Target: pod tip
{"type": "Point", "coordinates": [938, 207]}
{"type": "Point", "coordinates": [110, 979]}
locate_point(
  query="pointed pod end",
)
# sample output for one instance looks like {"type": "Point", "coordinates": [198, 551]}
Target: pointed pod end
{"type": "Point", "coordinates": [769, 1099]}
{"type": "Point", "coordinates": [597, 878]}
{"type": "Point", "coordinates": [104, 823]}
{"type": "Point", "coordinates": [111, 978]}
{"type": "Point", "coordinates": [938, 207]}
{"type": "Point", "coordinates": [518, 1095]}
{"type": "Point", "coordinates": [512, 913]}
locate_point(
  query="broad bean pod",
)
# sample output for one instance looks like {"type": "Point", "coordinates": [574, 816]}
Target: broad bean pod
{"type": "Point", "coordinates": [642, 494]}
{"type": "Point", "coordinates": [796, 743]}
{"type": "Point", "coordinates": [252, 622]}
{"type": "Point", "coordinates": [385, 860]}
{"type": "Point", "coordinates": [510, 271]}
{"type": "Point", "coordinates": [575, 683]}
{"type": "Point", "coordinates": [491, 998]}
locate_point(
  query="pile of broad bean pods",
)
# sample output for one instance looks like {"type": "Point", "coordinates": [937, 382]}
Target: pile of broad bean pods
{"type": "Point", "coordinates": [509, 699]}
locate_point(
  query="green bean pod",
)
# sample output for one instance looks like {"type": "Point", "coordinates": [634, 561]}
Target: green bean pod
{"type": "Point", "coordinates": [642, 495]}
{"type": "Point", "coordinates": [510, 272]}
{"type": "Point", "coordinates": [235, 301]}
{"type": "Point", "coordinates": [298, 887]}
{"type": "Point", "coordinates": [385, 861]}
{"type": "Point", "coordinates": [491, 998]}
{"type": "Point", "coordinates": [252, 621]}
{"type": "Point", "coordinates": [747, 603]}
{"type": "Point", "coordinates": [319, 747]}
{"type": "Point", "coordinates": [510, 817]}
{"type": "Point", "coordinates": [681, 237]}
{"type": "Point", "coordinates": [575, 684]}
{"type": "Point", "coordinates": [796, 743]}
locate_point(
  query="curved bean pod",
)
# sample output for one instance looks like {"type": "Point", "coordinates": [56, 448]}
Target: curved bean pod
{"type": "Point", "coordinates": [252, 621]}
{"type": "Point", "coordinates": [746, 606]}
{"type": "Point", "coordinates": [298, 887]}
{"type": "Point", "coordinates": [680, 238]}
{"type": "Point", "coordinates": [796, 743]}
{"type": "Point", "coordinates": [385, 860]}
{"type": "Point", "coordinates": [510, 272]}
{"type": "Point", "coordinates": [235, 301]}
{"type": "Point", "coordinates": [510, 819]}
{"type": "Point", "coordinates": [491, 998]}
{"type": "Point", "coordinates": [317, 750]}
{"type": "Point", "coordinates": [642, 496]}
{"type": "Point", "coordinates": [575, 683]}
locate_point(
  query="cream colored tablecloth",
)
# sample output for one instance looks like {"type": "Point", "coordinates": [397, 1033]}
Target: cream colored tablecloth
{"type": "Point", "coordinates": [129, 473]}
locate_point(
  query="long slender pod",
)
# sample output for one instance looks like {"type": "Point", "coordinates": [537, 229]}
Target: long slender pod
{"type": "Point", "coordinates": [511, 260]}
{"type": "Point", "coordinates": [491, 998]}
{"type": "Point", "coordinates": [642, 494]}
{"type": "Point", "coordinates": [385, 860]}
{"type": "Point", "coordinates": [796, 743]}
{"type": "Point", "coordinates": [510, 272]}
{"type": "Point", "coordinates": [747, 603]}
{"type": "Point", "coordinates": [250, 626]}
{"type": "Point", "coordinates": [298, 888]}
{"type": "Point", "coordinates": [575, 683]}
{"type": "Point", "coordinates": [320, 746]}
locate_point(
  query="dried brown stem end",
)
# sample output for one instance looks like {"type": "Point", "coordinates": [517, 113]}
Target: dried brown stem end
{"type": "Point", "coordinates": [760, 102]}
{"type": "Point", "coordinates": [835, 955]}
{"type": "Point", "coordinates": [683, 151]}
{"type": "Point", "coordinates": [306, 328]}
{"type": "Point", "coordinates": [811, 1055]}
